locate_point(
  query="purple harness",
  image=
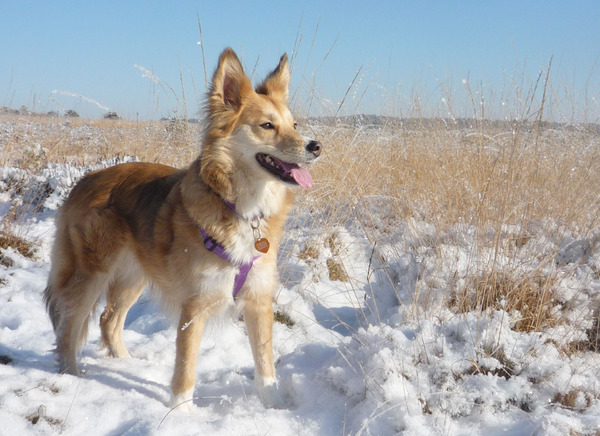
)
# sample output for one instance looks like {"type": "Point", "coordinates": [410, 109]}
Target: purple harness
{"type": "Point", "coordinates": [219, 250]}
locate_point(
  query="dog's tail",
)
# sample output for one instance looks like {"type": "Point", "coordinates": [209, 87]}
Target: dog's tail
{"type": "Point", "coordinates": [51, 306]}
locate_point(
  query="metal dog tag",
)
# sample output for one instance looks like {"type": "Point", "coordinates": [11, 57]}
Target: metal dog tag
{"type": "Point", "coordinates": [262, 245]}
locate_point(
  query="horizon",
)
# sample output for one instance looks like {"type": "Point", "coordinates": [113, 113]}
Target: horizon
{"type": "Point", "coordinates": [345, 120]}
{"type": "Point", "coordinates": [145, 61]}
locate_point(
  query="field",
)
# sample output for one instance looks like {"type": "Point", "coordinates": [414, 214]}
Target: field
{"type": "Point", "coordinates": [441, 277]}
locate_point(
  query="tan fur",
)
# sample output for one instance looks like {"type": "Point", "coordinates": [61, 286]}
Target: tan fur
{"type": "Point", "coordinates": [138, 223]}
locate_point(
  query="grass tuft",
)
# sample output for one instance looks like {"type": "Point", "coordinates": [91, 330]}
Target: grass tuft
{"type": "Point", "coordinates": [336, 270]}
{"type": "Point", "coordinates": [24, 247]}
{"type": "Point", "coordinates": [309, 252]}
{"type": "Point", "coordinates": [529, 296]}
{"type": "Point", "coordinates": [576, 399]}
{"type": "Point", "coordinates": [592, 341]}
{"type": "Point", "coordinates": [283, 318]}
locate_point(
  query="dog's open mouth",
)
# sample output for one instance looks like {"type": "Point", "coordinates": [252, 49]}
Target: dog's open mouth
{"type": "Point", "coordinates": [288, 172]}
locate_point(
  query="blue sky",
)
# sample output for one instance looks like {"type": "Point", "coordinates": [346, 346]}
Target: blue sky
{"type": "Point", "coordinates": [433, 53]}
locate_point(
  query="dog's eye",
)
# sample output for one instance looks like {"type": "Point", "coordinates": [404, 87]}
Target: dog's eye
{"type": "Point", "coordinates": [267, 126]}
{"type": "Point", "coordinates": [295, 125]}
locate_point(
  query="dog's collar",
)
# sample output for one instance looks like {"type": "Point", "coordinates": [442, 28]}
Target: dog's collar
{"type": "Point", "coordinates": [219, 250]}
{"type": "Point", "coordinates": [212, 245]}
{"type": "Point", "coordinates": [230, 205]}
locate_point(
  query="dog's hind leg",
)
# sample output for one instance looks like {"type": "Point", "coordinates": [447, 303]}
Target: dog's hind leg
{"type": "Point", "coordinates": [84, 262]}
{"type": "Point", "coordinates": [72, 327]}
{"type": "Point", "coordinates": [122, 294]}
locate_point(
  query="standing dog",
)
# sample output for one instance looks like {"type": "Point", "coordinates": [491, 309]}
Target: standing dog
{"type": "Point", "coordinates": [204, 236]}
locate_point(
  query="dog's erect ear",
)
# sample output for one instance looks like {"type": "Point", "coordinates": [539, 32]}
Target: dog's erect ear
{"type": "Point", "coordinates": [229, 83]}
{"type": "Point", "coordinates": [277, 83]}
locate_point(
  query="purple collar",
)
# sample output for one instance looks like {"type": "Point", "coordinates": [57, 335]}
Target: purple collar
{"type": "Point", "coordinates": [230, 205]}
{"type": "Point", "coordinates": [219, 250]}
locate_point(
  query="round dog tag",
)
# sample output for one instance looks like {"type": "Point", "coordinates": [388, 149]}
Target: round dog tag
{"type": "Point", "coordinates": [262, 245]}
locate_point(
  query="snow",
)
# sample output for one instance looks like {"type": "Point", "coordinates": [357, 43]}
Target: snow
{"type": "Point", "coordinates": [379, 354]}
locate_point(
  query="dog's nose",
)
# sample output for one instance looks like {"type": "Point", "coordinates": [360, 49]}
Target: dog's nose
{"type": "Point", "coordinates": [314, 147]}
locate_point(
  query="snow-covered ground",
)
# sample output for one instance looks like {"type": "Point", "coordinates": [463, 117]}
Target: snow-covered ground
{"type": "Point", "coordinates": [372, 348]}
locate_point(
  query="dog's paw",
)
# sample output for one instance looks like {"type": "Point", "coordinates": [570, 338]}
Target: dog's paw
{"type": "Point", "coordinates": [183, 402]}
{"type": "Point", "coordinates": [68, 365]}
{"type": "Point", "coordinates": [268, 392]}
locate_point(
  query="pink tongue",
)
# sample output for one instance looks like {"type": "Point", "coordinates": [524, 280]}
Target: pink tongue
{"type": "Point", "coordinates": [302, 177]}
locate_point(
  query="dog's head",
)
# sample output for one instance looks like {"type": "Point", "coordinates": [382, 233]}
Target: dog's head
{"type": "Point", "coordinates": [253, 130]}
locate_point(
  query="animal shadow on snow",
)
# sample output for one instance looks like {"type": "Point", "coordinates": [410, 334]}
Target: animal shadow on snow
{"type": "Point", "coordinates": [145, 317]}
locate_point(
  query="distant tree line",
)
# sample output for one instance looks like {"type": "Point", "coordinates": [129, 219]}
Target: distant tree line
{"type": "Point", "coordinates": [70, 113]}
{"type": "Point", "coordinates": [358, 120]}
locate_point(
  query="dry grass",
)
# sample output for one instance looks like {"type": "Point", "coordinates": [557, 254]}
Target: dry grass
{"type": "Point", "coordinates": [458, 174]}
{"type": "Point", "coordinates": [503, 367]}
{"type": "Point", "coordinates": [336, 270]}
{"type": "Point", "coordinates": [21, 245]}
{"type": "Point", "coordinates": [591, 342]}
{"type": "Point", "coordinates": [507, 185]}
{"type": "Point", "coordinates": [445, 174]}
{"type": "Point", "coordinates": [576, 399]}
{"type": "Point", "coordinates": [283, 318]}
{"type": "Point", "coordinates": [29, 142]}
{"type": "Point", "coordinates": [309, 252]}
{"type": "Point", "coordinates": [529, 297]}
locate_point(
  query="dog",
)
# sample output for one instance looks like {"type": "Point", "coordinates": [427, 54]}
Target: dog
{"type": "Point", "coordinates": [206, 236]}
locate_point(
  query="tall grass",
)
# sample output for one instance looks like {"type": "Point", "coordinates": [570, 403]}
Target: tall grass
{"type": "Point", "coordinates": [491, 176]}
{"type": "Point", "coordinates": [31, 142]}
{"type": "Point", "coordinates": [512, 192]}
{"type": "Point", "coordinates": [505, 185]}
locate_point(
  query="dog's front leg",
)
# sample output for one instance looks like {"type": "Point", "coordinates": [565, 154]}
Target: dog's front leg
{"type": "Point", "coordinates": [258, 314]}
{"type": "Point", "coordinates": [193, 318]}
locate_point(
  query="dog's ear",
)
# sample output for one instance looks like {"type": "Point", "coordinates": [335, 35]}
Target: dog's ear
{"type": "Point", "coordinates": [277, 83]}
{"type": "Point", "coordinates": [229, 83]}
